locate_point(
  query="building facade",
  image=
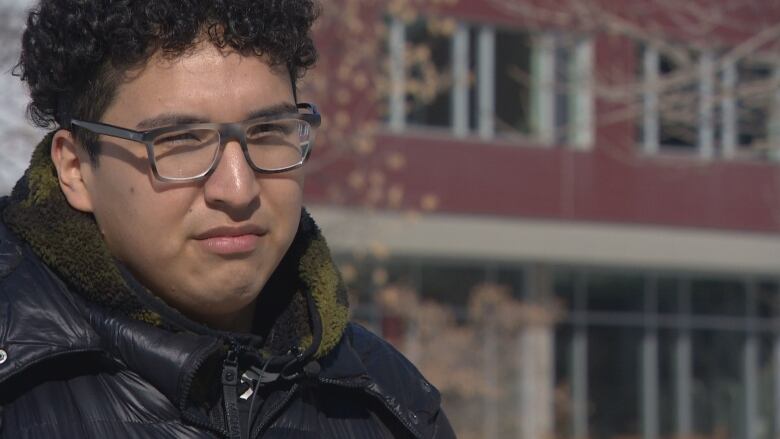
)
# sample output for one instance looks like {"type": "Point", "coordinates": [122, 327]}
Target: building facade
{"type": "Point", "coordinates": [617, 163]}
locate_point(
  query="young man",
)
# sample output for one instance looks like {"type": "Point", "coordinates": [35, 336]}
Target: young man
{"type": "Point", "coordinates": [158, 274]}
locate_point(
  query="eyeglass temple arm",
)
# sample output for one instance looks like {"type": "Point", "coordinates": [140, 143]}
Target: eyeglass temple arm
{"type": "Point", "coordinates": [109, 130]}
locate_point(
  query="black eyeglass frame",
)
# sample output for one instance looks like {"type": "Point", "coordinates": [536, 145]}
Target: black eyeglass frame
{"type": "Point", "coordinates": [227, 131]}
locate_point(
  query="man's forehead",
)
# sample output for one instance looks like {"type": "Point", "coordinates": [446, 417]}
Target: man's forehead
{"type": "Point", "coordinates": [205, 85]}
{"type": "Point", "coordinates": [170, 118]}
{"type": "Point", "coordinates": [203, 59]}
{"type": "Point", "coordinates": [206, 51]}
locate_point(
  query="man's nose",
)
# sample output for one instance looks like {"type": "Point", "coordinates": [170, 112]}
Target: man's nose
{"type": "Point", "coordinates": [233, 183]}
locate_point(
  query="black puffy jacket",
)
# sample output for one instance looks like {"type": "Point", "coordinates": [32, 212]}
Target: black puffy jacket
{"type": "Point", "coordinates": [73, 369]}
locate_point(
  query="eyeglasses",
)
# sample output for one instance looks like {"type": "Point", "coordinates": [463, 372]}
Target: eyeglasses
{"type": "Point", "coordinates": [271, 144]}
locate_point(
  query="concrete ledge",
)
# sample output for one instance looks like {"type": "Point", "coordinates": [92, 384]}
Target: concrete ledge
{"type": "Point", "coordinates": [522, 240]}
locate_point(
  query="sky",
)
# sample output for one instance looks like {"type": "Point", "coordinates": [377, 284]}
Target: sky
{"type": "Point", "coordinates": [18, 134]}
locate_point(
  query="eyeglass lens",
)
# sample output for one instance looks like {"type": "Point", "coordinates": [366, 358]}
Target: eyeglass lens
{"type": "Point", "coordinates": [272, 146]}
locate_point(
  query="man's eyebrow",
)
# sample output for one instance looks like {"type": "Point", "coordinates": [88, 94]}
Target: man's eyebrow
{"type": "Point", "coordinates": [273, 110]}
{"type": "Point", "coordinates": [169, 119]}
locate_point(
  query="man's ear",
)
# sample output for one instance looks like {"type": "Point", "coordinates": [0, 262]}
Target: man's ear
{"type": "Point", "coordinates": [73, 165]}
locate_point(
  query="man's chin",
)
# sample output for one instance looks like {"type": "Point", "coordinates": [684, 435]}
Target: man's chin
{"type": "Point", "coordinates": [231, 290]}
{"type": "Point", "coordinates": [224, 302]}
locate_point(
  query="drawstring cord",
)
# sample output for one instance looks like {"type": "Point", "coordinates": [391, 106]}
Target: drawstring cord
{"type": "Point", "coordinates": [250, 417]}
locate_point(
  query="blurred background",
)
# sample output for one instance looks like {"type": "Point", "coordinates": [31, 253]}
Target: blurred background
{"type": "Point", "coordinates": [565, 212]}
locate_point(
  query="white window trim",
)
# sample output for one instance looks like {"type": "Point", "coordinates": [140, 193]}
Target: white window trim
{"type": "Point", "coordinates": [490, 359]}
{"type": "Point", "coordinates": [486, 85]}
{"type": "Point", "coordinates": [774, 116]}
{"type": "Point", "coordinates": [776, 355]}
{"type": "Point", "coordinates": [728, 108]}
{"type": "Point", "coordinates": [536, 380]}
{"type": "Point", "coordinates": [750, 368]}
{"type": "Point", "coordinates": [683, 370]}
{"type": "Point", "coordinates": [460, 74]}
{"type": "Point", "coordinates": [649, 377]}
{"type": "Point", "coordinates": [706, 129]}
{"type": "Point", "coordinates": [579, 371]}
{"type": "Point", "coordinates": [581, 134]}
{"type": "Point", "coordinates": [650, 114]}
{"type": "Point", "coordinates": [543, 88]}
{"type": "Point", "coordinates": [397, 42]}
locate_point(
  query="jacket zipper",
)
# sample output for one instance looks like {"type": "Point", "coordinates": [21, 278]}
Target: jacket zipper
{"type": "Point", "coordinates": [230, 392]}
{"type": "Point", "coordinates": [274, 411]}
{"type": "Point", "coordinates": [378, 396]}
{"type": "Point", "coordinates": [187, 384]}
{"type": "Point", "coordinates": [205, 425]}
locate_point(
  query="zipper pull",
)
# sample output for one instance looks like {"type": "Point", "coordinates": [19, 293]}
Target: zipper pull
{"type": "Point", "coordinates": [230, 393]}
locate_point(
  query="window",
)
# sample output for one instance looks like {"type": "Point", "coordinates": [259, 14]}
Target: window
{"type": "Point", "coordinates": [428, 84]}
{"type": "Point", "coordinates": [755, 96]}
{"type": "Point", "coordinates": [513, 82]}
{"type": "Point", "coordinates": [490, 82]}
{"type": "Point", "coordinates": [449, 283]}
{"type": "Point", "coordinates": [613, 387]}
{"type": "Point", "coordinates": [678, 101]}
{"type": "Point", "coordinates": [674, 356]}
{"type": "Point", "coordinates": [700, 103]}
{"type": "Point", "coordinates": [671, 100]}
{"type": "Point", "coordinates": [615, 292]}
{"type": "Point", "coordinates": [634, 354]}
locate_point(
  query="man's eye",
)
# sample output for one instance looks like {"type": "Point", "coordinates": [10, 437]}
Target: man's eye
{"type": "Point", "coordinates": [178, 138]}
{"type": "Point", "coordinates": [261, 130]}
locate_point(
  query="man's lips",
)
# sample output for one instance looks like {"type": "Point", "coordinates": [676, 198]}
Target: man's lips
{"type": "Point", "coordinates": [231, 231]}
{"type": "Point", "coordinates": [226, 240]}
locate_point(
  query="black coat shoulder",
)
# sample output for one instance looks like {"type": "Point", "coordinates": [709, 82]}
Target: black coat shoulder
{"type": "Point", "coordinates": [10, 251]}
{"type": "Point", "coordinates": [402, 385]}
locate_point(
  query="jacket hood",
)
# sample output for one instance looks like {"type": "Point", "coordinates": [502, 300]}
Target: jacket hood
{"type": "Point", "coordinates": [303, 305]}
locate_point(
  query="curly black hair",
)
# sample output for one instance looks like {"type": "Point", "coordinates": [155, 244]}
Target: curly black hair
{"type": "Point", "coordinates": [74, 52]}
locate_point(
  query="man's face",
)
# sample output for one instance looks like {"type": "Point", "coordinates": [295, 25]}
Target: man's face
{"type": "Point", "coordinates": [206, 247]}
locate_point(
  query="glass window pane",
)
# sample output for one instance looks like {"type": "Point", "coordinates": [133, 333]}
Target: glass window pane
{"type": "Point", "coordinates": [513, 91]}
{"type": "Point", "coordinates": [473, 67]}
{"type": "Point", "coordinates": [402, 271]}
{"type": "Point", "coordinates": [667, 407]}
{"type": "Point", "coordinates": [563, 381]}
{"type": "Point", "coordinates": [678, 99]}
{"type": "Point", "coordinates": [564, 76]}
{"type": "Point", "coordinates": [564, 284]}
{"type": "Point", "coordinates": [766, 425]}
{"type": "Point", "coordinates": [718, 392]}
{"type": "Point", "coordinates": [668, 295]}
{"type": "Point", "coordinates": [514, 278]}
{"type": "Point", "coordinates": [429, 78]}
{"type": "Point", "coordinates": [613, 382]}
{"type": "Point", "coordinates": [718, 297]}
{"type": "Point", "coordinates": [755, 90]}
{"type": "Point", "coordinates": [450, 283]}
{"type": "Point", "coordinates": [768, 298]}
{"type": "Point", "coordinates": [356, 273]}
{"type": "Point", "coordinates": [615, 292]}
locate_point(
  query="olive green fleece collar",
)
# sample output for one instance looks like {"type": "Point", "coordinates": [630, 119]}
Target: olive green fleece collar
{"type": "Point", "coordinates": [69, 242]}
